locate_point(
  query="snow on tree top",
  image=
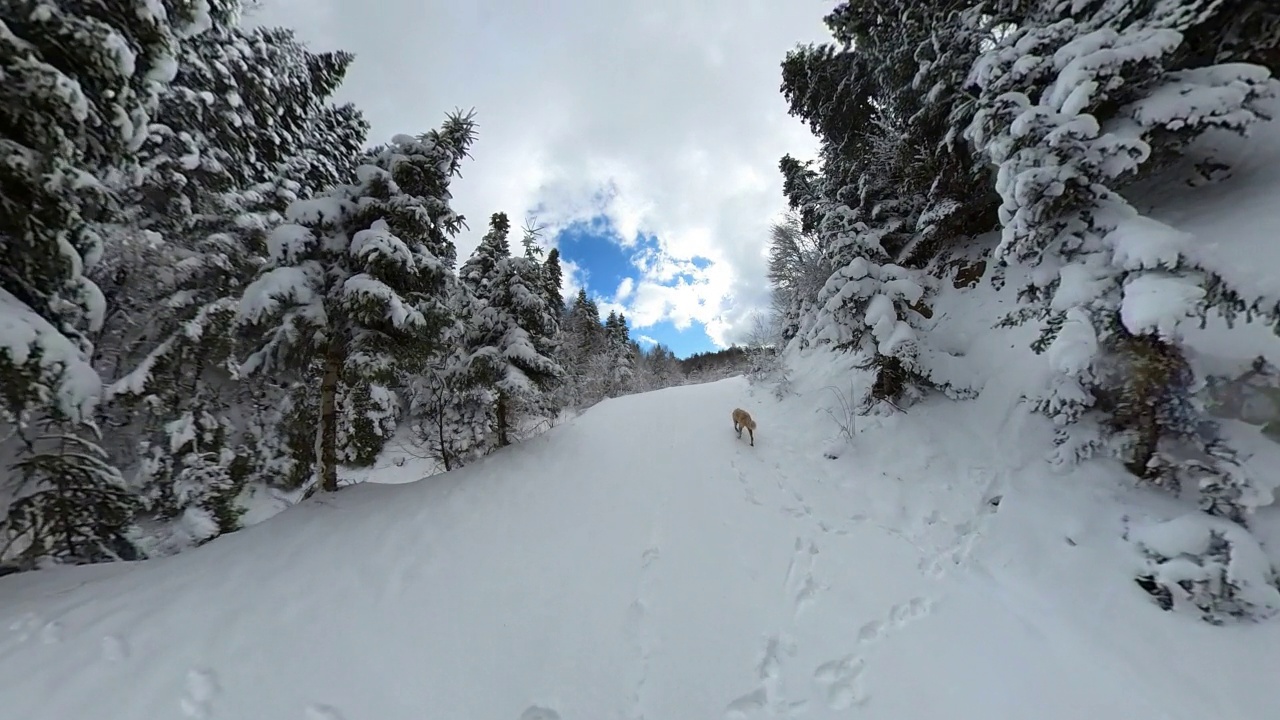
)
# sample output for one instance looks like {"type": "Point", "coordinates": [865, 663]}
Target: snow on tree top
{"type": "Point", "coordinates": [315, 211]}
{"type": "Point", "coordinates": [1076, 345]}
{"type": "Point", "coordinates": [1214, 95]}
{"type": "Point", "coordinates": [118, 48]}
{"type": "Point", "coordinates": [378, 239]}
{"type": "Point", "coordinates": [291, 282]}
{"type": "Point", "coordinates": [22, 331]}
{"type": "Point", "coordinates": [1143, 243]}
{"type": "Point", "coordinates": [1190, 536]}
{"type": "Point", "coordinates": [363, 287]}
{"type": "Point", "coordinates": [1157, 302]}
{"type": "Point", "coordinates": [288, 243]}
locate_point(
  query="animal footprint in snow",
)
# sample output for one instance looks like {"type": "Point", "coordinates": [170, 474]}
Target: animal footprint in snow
{"type": "Point", "coordinates": [322, 712]}
{"type": "Point", "coordinates": [51, 633]}
{"type": "Point", "coordinates": [741, 706]}
{"type": "Point", "coordinates": [650, 556]}
{"type": "Point", "coordinates": [798, 512]}
{"type": "Point", "coordinates": [24, 625]}
{"type": "Point", "coordinates": [870, 632]}
{"type": "Point", "coordinates": [537, 712]}
{"type": "Point", "coordinates": [114, 648]}
{"type": "Point", "coordinates": [841, 682]}
{"type": "Point", "coordinates": [202, 686]}
{"type": "Point", "coordinates": [769, 673]}
{"type": "Point", "coordinates": [915, 608]}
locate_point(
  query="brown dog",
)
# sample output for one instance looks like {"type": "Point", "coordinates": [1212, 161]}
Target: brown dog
{"type": "Point", "coordinates": [742, 419]}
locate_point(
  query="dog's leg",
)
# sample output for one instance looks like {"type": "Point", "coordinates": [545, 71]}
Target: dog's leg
{"type": "Point", "coordinates": [737, 427]}
{"type": "Point", "coordinates": [752, 433]}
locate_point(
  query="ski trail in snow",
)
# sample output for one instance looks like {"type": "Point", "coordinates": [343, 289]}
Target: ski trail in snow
{"type": "Point", "coordinates": [770, 692]}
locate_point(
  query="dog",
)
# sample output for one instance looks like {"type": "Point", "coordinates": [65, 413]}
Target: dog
{"type": "Point", "coordinates": [742, 419]}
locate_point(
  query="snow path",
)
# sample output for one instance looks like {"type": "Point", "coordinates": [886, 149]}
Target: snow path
{"type": "Point", "coordinates": [639, 562]}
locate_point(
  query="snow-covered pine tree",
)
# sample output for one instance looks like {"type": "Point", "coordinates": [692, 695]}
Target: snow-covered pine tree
{"type": "Point", "coordinates": [514, 326]}
{"type": "Point", "coordinates": [621, 355]}
{"type": "Point", "coordinates": [244, 130]}
{"type": "Point", "coordinates": [358, 285]}
{"type": "Point", "coordinates": [894, 188]}
{"type": "Point", "coordinates": [553, 283]}
{"type": "Point", "coordinates": [480, 271]}
{"type": "Point", "coordinates": [81, 82]}
{"type": "Point", "coordinates": [450, 405]}
{"type": "Point", "coordinates": [1075, 102]}
{"type": "Point", "coordinates": [549, 336]}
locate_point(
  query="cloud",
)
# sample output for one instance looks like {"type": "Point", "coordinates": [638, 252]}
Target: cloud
{"type": "Point", "coordinates": [664, 117]}
{"type": "Point", "coordinates": [646, 340]}
{"type": "Point", "coordinates": [624, 289]}
{"type": "Point", "coordinates": [572, 278]}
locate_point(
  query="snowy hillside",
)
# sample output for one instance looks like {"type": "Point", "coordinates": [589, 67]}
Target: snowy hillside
{"type": "Point", "coordinates": [1039, 479]}
{"type": "Point", "coordinates": [641, 561]}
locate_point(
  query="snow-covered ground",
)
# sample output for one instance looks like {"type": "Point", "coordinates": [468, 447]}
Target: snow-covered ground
{"type": "Point", "coordinates": [640, 561]}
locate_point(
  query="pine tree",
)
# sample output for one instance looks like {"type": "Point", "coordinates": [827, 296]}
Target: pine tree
{"type": "Point", "coordinates": [81, 82]}
{"type": "Point", "coordinates": [244, 131]}
{"type": "Point", "coordinates": [1073, 105]}
{"type": "Point", "coordinates": [620, 353]}
{"type": "Point", "coordinates": [480, 271]}
{"type": "Point", "coordinates": [360, 284]}
{"type": "Point", "coordinates": [514, 327]}
{"type": "Point", "coordinates": [894, 189]}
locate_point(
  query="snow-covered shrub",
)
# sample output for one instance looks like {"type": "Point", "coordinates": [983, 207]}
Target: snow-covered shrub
{"type": "Point", "coordinates": [1213, 564]}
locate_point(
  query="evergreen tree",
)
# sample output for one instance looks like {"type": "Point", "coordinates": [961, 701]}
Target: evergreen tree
{"type": "Point", "coordinates": [1072, 105]}
{"type": "Point", "coordinates": [620, 354]}
{"type": "Point", "coordinates": [514, 327]}
{"type": "Point", "coordinates": [243, 132]}
{"type": "Point", "coordinates": [359, 285]}
{"type": "Point", "coordinates": [894, 188]}
{"type": "Point", "coordinates": [479, 273]}
{"type": "Point", "coordinates": [81, 82]}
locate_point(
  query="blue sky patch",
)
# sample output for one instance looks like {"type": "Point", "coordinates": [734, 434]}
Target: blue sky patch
{"type": "Point", "coordinates": [596, 248]}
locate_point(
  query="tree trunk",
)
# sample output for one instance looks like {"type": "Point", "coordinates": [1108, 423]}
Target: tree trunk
{"type": "Point", "coordinates": [444, 448]}
{"type": "Point", "coordinates": [327, 428]}
{"type": "Point", "coordinates": [502, 420]}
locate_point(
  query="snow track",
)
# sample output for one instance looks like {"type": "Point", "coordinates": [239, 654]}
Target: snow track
{"type": "Point", "coordinates": [637, 563]}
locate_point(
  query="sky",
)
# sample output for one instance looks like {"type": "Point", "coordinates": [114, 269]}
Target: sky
{"type": "Point", "coordinates": [643, 136]}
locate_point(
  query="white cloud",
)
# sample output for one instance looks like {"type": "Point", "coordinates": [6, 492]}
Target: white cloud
{"type": "Point", "coordinates": [646, 340]}
{"type": "Point", "coordinates": [663, 116]}
{"type": "Point", "coordinates": [572, 278]}
{"type": "Point", "coordinates": [624, 289]}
